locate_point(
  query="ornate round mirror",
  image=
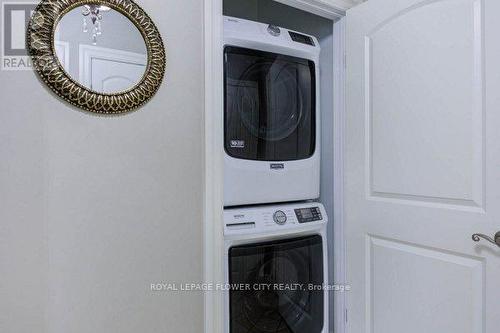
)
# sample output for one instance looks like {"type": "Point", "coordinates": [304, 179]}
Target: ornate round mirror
{"type": "Point", "coordinates": [103, 56]}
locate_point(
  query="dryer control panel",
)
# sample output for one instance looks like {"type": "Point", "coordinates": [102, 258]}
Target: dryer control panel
{"type": "Point", "coordinates": [269, 218]}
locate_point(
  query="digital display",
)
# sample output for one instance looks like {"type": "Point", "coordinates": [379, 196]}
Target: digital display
{"type": "Point", "coordinates": [301, 38]}
{"type": "Point", "coordinates": [306, 213]}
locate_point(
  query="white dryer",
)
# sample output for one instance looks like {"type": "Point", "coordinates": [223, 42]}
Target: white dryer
{"type": "Point", "coordinates": [276, 269]}
{"type": "Point", "coordinates": [271, 114]}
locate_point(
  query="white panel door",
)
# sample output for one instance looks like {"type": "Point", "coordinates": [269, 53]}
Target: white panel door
{"type": "Point", "coordinates": [423, 166]}
{"type": "Point", "coordinates": [108, 70]}
{"type": "Point", "coordinates": [111, 76]}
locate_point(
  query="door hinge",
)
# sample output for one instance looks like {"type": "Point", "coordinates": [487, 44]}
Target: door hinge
{"type": "Point", "coordinates": [346, 316]}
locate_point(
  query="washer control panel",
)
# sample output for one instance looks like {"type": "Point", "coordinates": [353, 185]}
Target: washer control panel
{"type": "Point", "coordinates": [309, 214]}
{"type": "Point", "coordinates": [269, 218]}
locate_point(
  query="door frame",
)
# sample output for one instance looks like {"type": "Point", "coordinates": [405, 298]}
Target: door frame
{"type": "Point", "coordinates": [65, 46]}
{"type": "Point", "coordinates": [339, 111]}
{"type": "Point", "coordinates": [213, 258]}
{"type": "Point", "coordinates": [331, 9]}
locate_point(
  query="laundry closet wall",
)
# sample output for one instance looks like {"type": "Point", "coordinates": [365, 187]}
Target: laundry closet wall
{"type": "Point", "coordinates": [95, 209]}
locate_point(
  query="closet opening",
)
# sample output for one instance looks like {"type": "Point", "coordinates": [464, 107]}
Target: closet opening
{"type": "Point", "coordinates": [328, 32]}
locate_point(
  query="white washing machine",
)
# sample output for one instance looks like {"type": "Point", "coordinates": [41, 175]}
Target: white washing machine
{"type": "Point", "coordinates": [271, 114]}
{"type": "Point", "coordinates": [276, 269]}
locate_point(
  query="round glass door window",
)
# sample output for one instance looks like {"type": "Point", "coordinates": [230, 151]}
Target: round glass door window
{"type": "Point", "coordinates": [270, 105]}
{"type": "Point", "coordinates": [281, 95]}
{"type": "Point", "coordinates": [279, 287]}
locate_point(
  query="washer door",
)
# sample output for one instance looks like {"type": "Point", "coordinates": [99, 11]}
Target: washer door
{"type": "Point", "coordinates": [269, 105]}
{"type": "Point", "coordinates": [276, 287]}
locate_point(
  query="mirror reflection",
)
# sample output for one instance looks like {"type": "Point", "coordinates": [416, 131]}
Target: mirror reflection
{"type": "Point", "coordinates": [101, 49]}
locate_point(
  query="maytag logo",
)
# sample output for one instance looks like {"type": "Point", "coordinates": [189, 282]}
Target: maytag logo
{"type": "Point", "coordinates": [237, 144]}
{"type": "Point", "coordinates": [277, 166]}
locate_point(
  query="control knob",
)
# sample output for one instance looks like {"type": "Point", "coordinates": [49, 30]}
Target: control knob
{"type": "Point", "coordinates": [274, 30]}
{"type": "Point", "coordinates": [279, 217]}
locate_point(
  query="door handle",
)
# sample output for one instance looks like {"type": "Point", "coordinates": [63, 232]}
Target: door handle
{"type": "Point", "coordinates": [496, 240]}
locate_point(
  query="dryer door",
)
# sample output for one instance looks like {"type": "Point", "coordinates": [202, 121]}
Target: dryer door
{"type": "Point", "coordinates": [277, 287]}
{"type": "Point", "coordinates": [270, 105]}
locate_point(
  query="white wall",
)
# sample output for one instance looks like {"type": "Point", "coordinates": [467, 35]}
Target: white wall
{"type": "Point", "coordinates": [94, 209]}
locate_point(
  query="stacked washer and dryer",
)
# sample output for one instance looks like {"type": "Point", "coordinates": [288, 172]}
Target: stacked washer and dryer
{"type": "Point", "coordinates": [275, 230]}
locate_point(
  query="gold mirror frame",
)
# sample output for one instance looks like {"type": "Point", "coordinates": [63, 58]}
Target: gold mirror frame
{"type": "Point", "coordinates": [40, 43]}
